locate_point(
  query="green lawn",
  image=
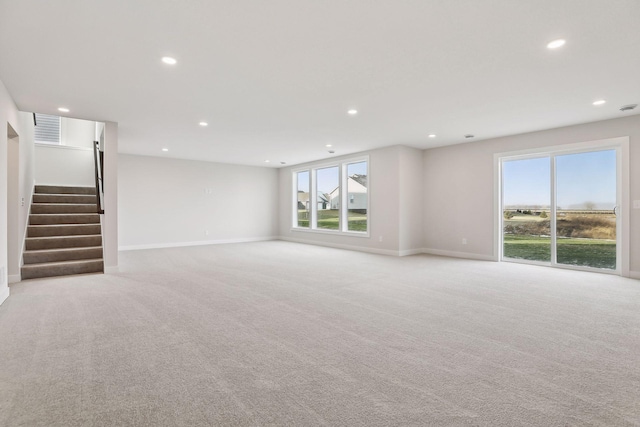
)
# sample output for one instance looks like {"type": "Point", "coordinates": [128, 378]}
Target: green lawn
{"type": "Point", "coordinates": [583, 252]}
{"type": "Point", "coordinates": [329, 220]}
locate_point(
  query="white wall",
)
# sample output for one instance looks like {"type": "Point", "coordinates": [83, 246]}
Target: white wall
{"type": "Point", "coordinates": [8, 114]}
{"type": "Point", "coordinates": [62, 165]}
{"type": "Point", "coordinates": [77, 133]}
{"type": "Point", "coordinates": [171, 202]}
{"type": "Point", "coordinates": [411, 193]}
{"type": "Point", "coordinates": [459, 186]}
{"type": "Point", "coordinates": [109, 220]}
{"type": "Point", "coordinates": [386, 219]}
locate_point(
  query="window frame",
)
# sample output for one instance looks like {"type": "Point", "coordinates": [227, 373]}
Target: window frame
{"type": "Point", "coordinates": [342, 166]}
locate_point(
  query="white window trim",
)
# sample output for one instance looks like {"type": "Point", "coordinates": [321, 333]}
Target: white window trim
{"type": "Point", "coordinates": [343, 178]}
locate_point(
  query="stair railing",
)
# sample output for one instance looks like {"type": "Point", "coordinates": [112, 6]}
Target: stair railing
{"type": "Point", "coordinates": [98, 158]}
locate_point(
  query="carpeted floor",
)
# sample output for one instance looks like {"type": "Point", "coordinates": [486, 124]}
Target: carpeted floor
{"type": "Point", "coordinates": [282, 334]}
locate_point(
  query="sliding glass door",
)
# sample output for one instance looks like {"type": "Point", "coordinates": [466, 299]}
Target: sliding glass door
{"type": "Point", "coordinates": [586, 219]}
{"type": "Point", "coordinates": [561, 209]}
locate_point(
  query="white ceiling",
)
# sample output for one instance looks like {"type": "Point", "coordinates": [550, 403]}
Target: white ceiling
{"type": "Point", "coordinates": [275, 79]}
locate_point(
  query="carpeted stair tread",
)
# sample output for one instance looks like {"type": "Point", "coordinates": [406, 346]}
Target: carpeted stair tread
{"type": "Point", "coordinates": [70, 218]}
{"type": "Point", "coordinates": [64, 235]}
{"type": "Point", "coordinates": [50, 269]}
{"type": "Point", "coordinates": [48, 230]}
{"type": "Point", "coordinates": [39, 256]}
{"type": "Point", "coordinates": [64, 198]}
{"type": "Point", "coordinates": [52, 242]}
{"type": "Point", "coordinates": [62, 208]}
{"type": "Point", "coordinates": [59, 189]}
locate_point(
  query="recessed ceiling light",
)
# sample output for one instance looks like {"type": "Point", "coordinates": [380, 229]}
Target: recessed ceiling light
{"type": "Point", "coordinates": [63, 110]}
{"type": "Point", "coordinates": [165, 149]}
{"type": "Point", "coordinates": [169, 60]}
{"type": "Point", "coordinates": [328, 145]}
{"type": "Point", "coordinates": [433, 135]}
{"type": "Point", "coordinates": [352, 112]}
{"type": "Point", "coordinates": [599, 102]}
{"type": "Point", "coordinates": [556, 44]}
{"type": "Point", "coordinates": [267, 161]}
{"type": "Point", "coordinates": [203, 124]}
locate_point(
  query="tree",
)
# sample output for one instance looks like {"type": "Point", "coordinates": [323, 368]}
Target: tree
{"type": "Point", "coordinates": [589, 206]}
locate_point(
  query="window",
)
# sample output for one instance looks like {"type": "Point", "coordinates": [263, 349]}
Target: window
{"type": "Point", "coordinates": [341, 195]}
{"type": "Point", "coordinates": [358, 196]}
{"type": "Point", "coordinates": [47, 129]}
{"type": "Point", "coordinates": [328, 195]}
{"type": "Point", "coordinates": [303, 208]}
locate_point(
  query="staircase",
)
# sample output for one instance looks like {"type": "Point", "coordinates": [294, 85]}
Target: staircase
{"type": "Point", "coordinates": [64, 234]}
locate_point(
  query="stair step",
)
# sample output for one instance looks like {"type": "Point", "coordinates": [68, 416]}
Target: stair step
{"type": "Point", "coordinates": [50, 269]}
{"type": "Point", "coordinates": [62, 230]}
{"type": "Point", "coordinates": [64, 198]}
{"type": "Point", "coordinates": [41, 219]}
{"type": "Point", "coordinates": [64, 254]}
{"type": "Point", "coordinates": [60, 189]}
{"type": "Point", "coordinates": [35, 243]}
{"type": "Point", "coordinates": [61, 208]}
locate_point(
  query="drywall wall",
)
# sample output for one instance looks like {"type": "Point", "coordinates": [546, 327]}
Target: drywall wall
{"type": "Point", "coordinates": [386, 220]}
{"type": "Point", "coordinates": [411, 189]}
{"type": "Point", "coordinates": [171, 202]}
{"type": "Point", "coordinates": [77, 133]}
{"type": "Point", "coordinates": [459, 186]}
{"type": "Point", "coordinates": [26, 182]}
{"type": "Point", "coordinates": [8, 116]}
{"type": "Point", "coordinates": [62, 165]}
{"type": "Point", "coordinates": [109, 220]}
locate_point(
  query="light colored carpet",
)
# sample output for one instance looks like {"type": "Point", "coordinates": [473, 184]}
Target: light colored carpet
{"type": "Point", "coordinates": [277, 333]}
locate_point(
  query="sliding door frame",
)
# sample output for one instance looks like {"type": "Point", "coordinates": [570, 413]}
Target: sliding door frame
{"type": "Point", "coordinates": [621, 145]}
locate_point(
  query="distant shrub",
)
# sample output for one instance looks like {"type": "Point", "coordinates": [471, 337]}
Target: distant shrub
{"type": "Point", "coordinates": [543, 214]}
{"type": "Point", "coordinates": [508, 214]}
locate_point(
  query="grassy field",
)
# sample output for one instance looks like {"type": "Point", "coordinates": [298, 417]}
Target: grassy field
{"type": "Point", "coordinates": [329, 220]}
{"type": "Point", "coordinates": [598, 253]}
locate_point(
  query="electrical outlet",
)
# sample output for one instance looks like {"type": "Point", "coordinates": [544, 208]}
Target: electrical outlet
{"type": "Point", "coordinates": [464, 241]}
{"type": "Point", "coordinates": [22, 202]}
{"type": "Point", "coordinates": [206, 232]}
{"type": "Point", "coordinates": [380, 239]}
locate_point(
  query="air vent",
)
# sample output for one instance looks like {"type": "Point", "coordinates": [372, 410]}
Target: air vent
{"type": "Point", "coordinates": [628, 107]}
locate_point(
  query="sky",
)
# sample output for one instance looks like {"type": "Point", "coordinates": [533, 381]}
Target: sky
{"type": "Point", "coordinates": [581, 178]}
{"type": "Point", "coordinates": [327, 178]}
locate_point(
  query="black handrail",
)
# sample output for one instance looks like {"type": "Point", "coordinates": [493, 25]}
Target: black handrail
{"type": "Point", "coordinates": [99, 176]}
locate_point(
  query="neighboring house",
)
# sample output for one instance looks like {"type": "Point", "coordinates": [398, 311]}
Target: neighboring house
{"type": "Point", "coordinates": [357, 195]}
{"type": "Point", "coordinates": [303, 200]}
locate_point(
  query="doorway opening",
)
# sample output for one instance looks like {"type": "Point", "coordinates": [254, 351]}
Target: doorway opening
{"type": "Point", "coordinates": [564, 207]}
{"type": "Point", "coordinates": [13, 206]}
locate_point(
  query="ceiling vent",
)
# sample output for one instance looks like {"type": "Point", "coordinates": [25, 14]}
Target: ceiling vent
{"type": "Point", "coordinates": [628, 107]}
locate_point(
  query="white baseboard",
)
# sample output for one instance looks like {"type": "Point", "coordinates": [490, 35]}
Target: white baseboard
{"type": "Point", "coordinates": [14, 278]}
{"type": "Point", "coordinates": [408, 252]}
{"type": "Point", "coordinates": [197, 243]}
{"type": "Point", "coordinates": [111, 270]}
{"type": "Point", "coordinates": [4, 294]}
{"type": "Point", "coordinates": [454, 254]}
{"type": "Point", "coordinates": [340, 246]}
{"type": "Point", "coordinates": [634, 274]}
